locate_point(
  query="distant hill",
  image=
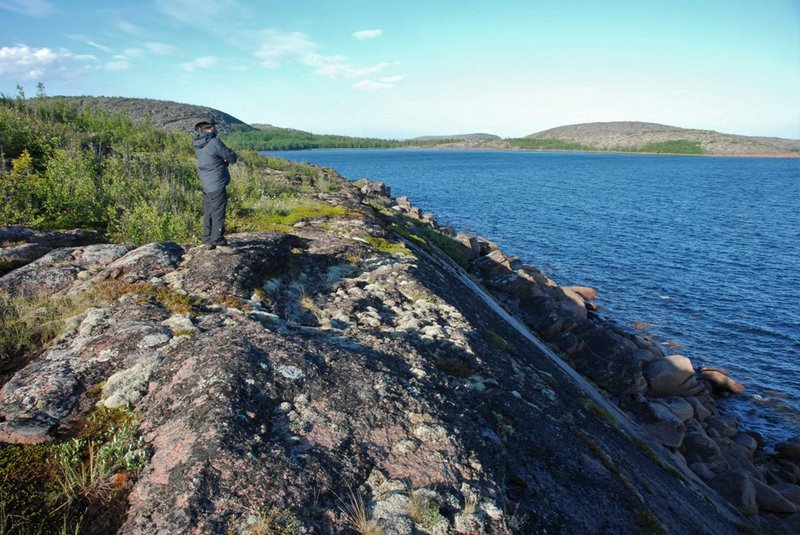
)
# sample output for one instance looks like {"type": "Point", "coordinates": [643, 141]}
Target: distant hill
{"type": "Point", "coordinates": [458, 137]}
{"type": "Point", "coordinates": [272, 128]}
{"type": "Point", "coordinates": [652, 137]}
{"type": "Point", "coordinates": [171, 116]}
{"type": "Point", "coordinates": [627, 136]}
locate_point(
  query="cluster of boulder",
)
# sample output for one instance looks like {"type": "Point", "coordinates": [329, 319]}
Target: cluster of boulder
{"type": "Point", "coordinates": [664, 393]}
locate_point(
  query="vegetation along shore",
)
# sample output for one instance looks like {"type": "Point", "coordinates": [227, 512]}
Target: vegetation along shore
{"type": "Point", "coordinates": [349, 367]}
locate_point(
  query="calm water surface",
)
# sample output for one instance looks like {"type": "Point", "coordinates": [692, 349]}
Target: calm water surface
{"type": "Point", "coordinates": [702, 250]}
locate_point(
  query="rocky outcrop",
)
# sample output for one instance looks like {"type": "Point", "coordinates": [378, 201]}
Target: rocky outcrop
{"type": "Point", "coordinates": [310, 369]}
{"type": "Point", "coordinates": [20, 246]}
{"type": "Point", "coordinates": [305, 372]}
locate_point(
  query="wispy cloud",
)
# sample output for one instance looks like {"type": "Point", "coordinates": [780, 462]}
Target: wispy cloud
{"type": "Point", "coordinates": [31, 8]}
{"type": "Point", "coordinates": [199, 12]}
{"type": "Point", "coordinates": [365, 35]}
{"type": "Point", "coordinates": [133, 52]}
{"type": "Point", "coordinates": [387, 82]}
{"type": "Point", "coordinates": [161, 49]}
{"type": "Point", "coordinates": [204, 62]}
{"type": "Point", "coordinates": [131, 29]}
{"type": "Point", "coordinates": [118, 63]}
{"type": "Point", "coordinates": [99, 47]}
{"type": "Point", "coordinates": [278, 48]}
{"type": "Point", "coordinates": [335, 68]}
{"type": "Point", "coordinates": [29, 63]}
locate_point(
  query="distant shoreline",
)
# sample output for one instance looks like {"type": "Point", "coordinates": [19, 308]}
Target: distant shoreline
{"type": "Point", "coordinates": [517, 149]}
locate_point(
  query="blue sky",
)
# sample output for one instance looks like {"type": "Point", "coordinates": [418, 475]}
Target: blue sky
{"type": "Point", "coordinates": [407, 68]}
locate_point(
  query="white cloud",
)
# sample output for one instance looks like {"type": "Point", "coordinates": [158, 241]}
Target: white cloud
{"type": "Point", "coordinates": [282, 47]}
{"type": "Point", "coordinates": [204, 62]}
{"type": "Point", "coordinates": [365, 35]}
{"type": "Point", "coordinates": [161, 49]}
{"type": "Point", "coordinates": [334, 67]}
{"type": "Point", "coordinates": [279, 47]}
{"type": "Point", "coordinates": [388, 82]}
{"type": "Point", "coordinates": [31, 63]}
{"type": "Point", "coordinates": [32, 8]}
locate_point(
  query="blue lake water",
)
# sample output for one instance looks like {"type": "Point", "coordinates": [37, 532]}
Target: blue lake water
{"type": "Point", "coordinates": [705, 251]}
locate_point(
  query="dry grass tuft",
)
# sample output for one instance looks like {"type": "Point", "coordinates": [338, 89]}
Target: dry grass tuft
{"type": "Point", "coordinates": [355, 511]}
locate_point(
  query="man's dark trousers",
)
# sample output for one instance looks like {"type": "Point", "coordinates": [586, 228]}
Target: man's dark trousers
{"type": "Point", "coordinates": [214, 205]}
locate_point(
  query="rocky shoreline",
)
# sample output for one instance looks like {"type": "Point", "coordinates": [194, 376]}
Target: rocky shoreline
{"type": "Point", "coordinates": [318, 369]}
{"type": "Point", "coordinates": [675, 403]}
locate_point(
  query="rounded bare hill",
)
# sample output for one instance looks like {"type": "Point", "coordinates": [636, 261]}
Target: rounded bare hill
{"type": "Point", "coordinates": [171, 116]}
{"type": "Point", "coordinates": [652, 137]}
{"type": "Point", "coordinates": [458, 137]}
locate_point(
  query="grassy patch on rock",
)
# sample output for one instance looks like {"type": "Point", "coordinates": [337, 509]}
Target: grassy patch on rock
{"type": "Point", "coordinates": [596, 410]}
{"type": "Point", "coordinates": [270, 520]}
{"type": "Point", "coordinates": [281, 213]}
{"type": "Point", "coordinates": [167, 297]}
{"type": "Point", "coordinates": [453, 366]}
{"type": "Point", "coordinates": [601, 455]}
{"type": "Point", "coordinates": [57, 488]}
{"type": "Point", "coordinates": [385, 246]}
{"type": "Point", "coordinates": [29, 324]}
{"type": "Point", "coordinates": [499, 341]}
{"type": "Point", "coordinates": [428, 238]}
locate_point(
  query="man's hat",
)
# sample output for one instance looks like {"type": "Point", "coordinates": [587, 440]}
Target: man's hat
{"type": "Point", "coordinates": [204, 122]}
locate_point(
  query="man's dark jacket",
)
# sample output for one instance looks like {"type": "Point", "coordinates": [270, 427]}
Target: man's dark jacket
{"type": "Point", "coordinates": [213, 158]}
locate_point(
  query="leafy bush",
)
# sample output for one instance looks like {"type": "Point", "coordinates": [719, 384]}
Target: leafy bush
{"type": "Point", "coordinates": [62, 168]}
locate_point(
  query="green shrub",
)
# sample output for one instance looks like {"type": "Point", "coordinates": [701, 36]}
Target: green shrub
{"type": "Point", "coordinates": [677, 146]}
{"type": "Point", "coordinates": [73, 196]}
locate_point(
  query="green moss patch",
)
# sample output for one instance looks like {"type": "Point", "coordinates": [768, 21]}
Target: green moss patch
{"type": "Point", "coordinates": [385, 246]}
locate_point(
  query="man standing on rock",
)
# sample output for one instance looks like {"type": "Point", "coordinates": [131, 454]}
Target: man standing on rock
{"type": "Point", "coordinates": [213, 158]}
